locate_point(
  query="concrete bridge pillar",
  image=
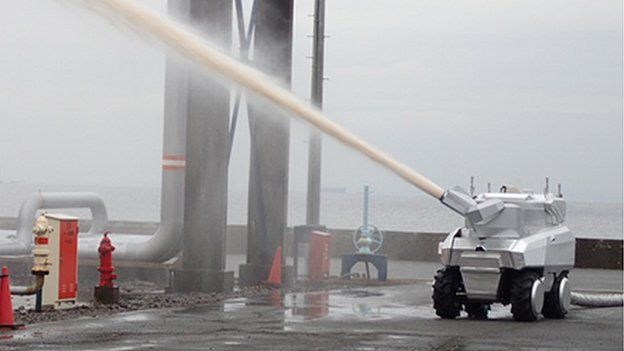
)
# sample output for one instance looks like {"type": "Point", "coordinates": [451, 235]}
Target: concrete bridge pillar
{"type": "Point", "coordinates": [270, 135]}
{"type": "Point", "coordinates": [205, 205]}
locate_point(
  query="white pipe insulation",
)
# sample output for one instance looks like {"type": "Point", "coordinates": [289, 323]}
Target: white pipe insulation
{"type": "Point", "coordinates": [161, 246]}
{"type": "Point", "coordinates": [22, 242]}
{"type": "Point", "coordinates": [166, 242]}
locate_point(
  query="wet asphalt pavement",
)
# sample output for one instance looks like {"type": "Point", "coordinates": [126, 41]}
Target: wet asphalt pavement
{"type": "Point", "coordinates": [398, 317]}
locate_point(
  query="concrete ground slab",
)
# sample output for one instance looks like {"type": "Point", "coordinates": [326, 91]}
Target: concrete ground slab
{"type": "Point", "coordinates": [399, 317]}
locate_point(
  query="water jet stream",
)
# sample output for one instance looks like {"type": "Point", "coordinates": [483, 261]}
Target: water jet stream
{"type": "Point", "coordinates": [198, 51]}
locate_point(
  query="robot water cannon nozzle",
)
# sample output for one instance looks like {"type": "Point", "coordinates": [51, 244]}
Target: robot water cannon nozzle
{"type": "Point", "coordinates": [458, 200]}
{"type": "Point", "coordinates": [478, 213]}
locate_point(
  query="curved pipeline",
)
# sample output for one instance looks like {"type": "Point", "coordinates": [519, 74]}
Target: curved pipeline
{"type": "Point", "coordinates": [23, 241]}
{"type": "Point", "coordinates": [166, 242]}
{"type": "Point", "coordinates": [161, 246]}
{"type": "Point", "coordinates": [597, 300]}
{"type": "Point", "coordinates": [31, 289]}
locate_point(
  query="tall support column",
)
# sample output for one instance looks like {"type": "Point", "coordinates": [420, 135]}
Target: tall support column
{"type": "Point", "coordinates": [205, 205]}
{"type": "Point", "coordinates": [174, 132]}
{"type": "Point", "coordinates": [270, 134]}
{"type": "Point", "coordinates": [313, 210]}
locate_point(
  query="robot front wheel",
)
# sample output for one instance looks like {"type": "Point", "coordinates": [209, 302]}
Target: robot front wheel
{"type": "Point", "coordinates": [447, 283]}
{"type": "Point", "coordinates": [446, 301]}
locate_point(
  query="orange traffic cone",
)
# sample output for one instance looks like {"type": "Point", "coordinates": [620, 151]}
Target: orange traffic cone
{"type": "Point", "coordinates": [275, 276]}
{"type": "Point", "coordinates": [6, 304]}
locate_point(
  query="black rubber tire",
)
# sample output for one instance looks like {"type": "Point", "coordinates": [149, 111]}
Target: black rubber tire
{"type": "Point", "coordinates": [521, 286]}
{"type": "Point", "coordinates": [552, 306]}
{"type": "Point", "coordinates": [477, 310]}
{"type": "Point", "coordinates": [445, 286]}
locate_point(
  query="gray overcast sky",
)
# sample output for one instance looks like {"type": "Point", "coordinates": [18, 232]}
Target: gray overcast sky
{"type": "Point", "coordinates": [506, 91]}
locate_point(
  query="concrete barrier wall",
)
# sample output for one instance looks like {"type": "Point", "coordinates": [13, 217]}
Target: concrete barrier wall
{"type": "Point", "coordinates": [595, 253]}
{"type": "Point", "coordinates": [413, 246]}
{"type": "Point", "coordinates": [408, 246]}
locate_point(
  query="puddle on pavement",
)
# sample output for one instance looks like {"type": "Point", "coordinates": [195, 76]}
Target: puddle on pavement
{"type": "Point", "coordinates": [232, 343]}
{"type": "Point", "coordinates": [360, 293]}
{"type": "Point", "coordinates": [287, 311]}
{"type": "Point", "coordinates": [352, 304]}
{"type": "Point", "coordinates": [135, 317]}
{"type": "Point", "coordinates": [348, 304]}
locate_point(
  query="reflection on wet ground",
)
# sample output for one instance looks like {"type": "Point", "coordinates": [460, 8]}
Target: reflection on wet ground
{"type": "Point", "coordinates": [339, 305]}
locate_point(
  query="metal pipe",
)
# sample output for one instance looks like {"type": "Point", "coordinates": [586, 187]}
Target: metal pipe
{"type": "Point", "coordinates": [244, 39]}
{"type": "Point", "coordinates": [313, 212]}
{"type": "Point", "coordinates": [31, 289]}
{"type": "Point", "coordinates": [161, 246]}
{"type": "Point", "coordinates": [23, 241]}
{"type": "Point", "coordinates": [165, 243]}
{"type": "Point", "coordinates": [366, 202]}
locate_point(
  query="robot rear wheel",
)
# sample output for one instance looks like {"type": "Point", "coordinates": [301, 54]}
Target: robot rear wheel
{"type": "Point", "coordinates": [557, 300]}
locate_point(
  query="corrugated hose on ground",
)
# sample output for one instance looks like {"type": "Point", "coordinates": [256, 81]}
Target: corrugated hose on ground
{"type": "Point", "coordinates": [597, 300]}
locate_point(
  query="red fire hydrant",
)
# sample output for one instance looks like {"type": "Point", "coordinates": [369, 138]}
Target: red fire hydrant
{"type": "Point", "coordinates": [106, 268]}
{"type": "Point", "coordinates": [106, 292]}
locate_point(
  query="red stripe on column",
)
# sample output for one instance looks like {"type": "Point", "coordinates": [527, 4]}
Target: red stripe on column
{"type": "Point", "coordinates": [174, 157]}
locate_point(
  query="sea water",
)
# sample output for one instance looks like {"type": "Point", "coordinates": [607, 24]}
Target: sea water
{"type": "Point", "coordinates": [341, 210]}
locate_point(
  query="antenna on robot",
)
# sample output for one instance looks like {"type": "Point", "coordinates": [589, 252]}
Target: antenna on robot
{"type": "Point", "coordinates": [472, 187]}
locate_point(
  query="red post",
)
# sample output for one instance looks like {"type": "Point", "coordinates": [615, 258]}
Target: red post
{"type": "Point", "coordinates": [318, 256]}
{"type": "Point", "coordinates": [106, 292]}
